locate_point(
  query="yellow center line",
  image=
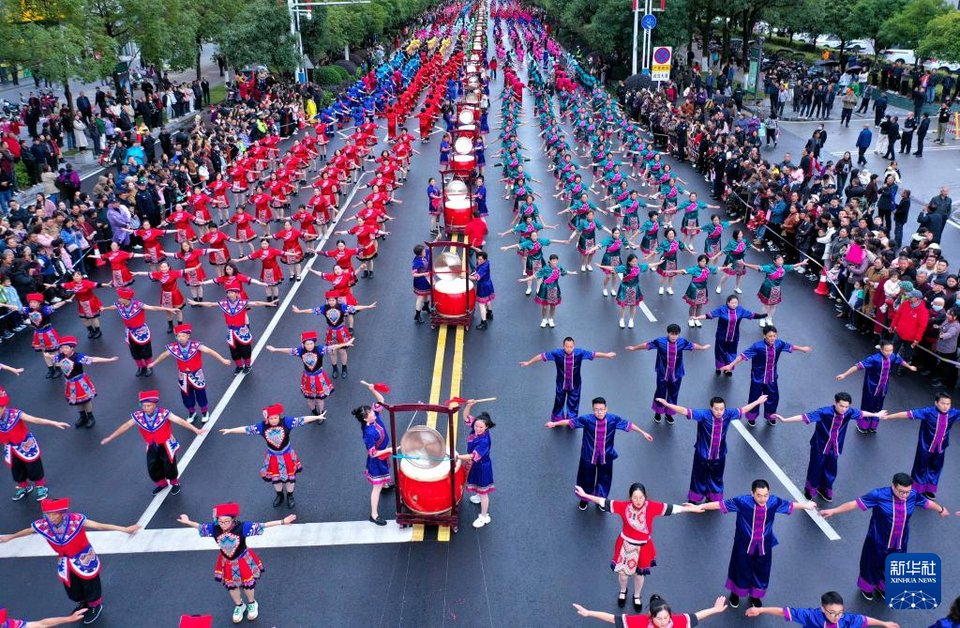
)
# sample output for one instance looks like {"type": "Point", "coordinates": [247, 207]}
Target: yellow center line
{"type": "Point", "coordinates": [437, 375]}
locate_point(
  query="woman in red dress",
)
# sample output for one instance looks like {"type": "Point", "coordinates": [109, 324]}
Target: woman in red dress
{"type": "Point", "coordinates": [216, 242]}
{"type": "Point", "coordinates": [245, 232]}
{"type": "Point", "coordinates": [219, 188]}
{"type": "Point", "coordinates": [152, 249]}
{"type": "Point", "coordinates": [320, 204]}
{"type": "Point", "coordinates": [270, 272]}
{"type": "Point", "coordinates": [262, 210]}
{"type": "Point", "coordinates": [88, 305]}
{"type": "Point", "coordinates": [367, 235]}
{"type": "Point", "coordinates": [193, 273]}
{"type": "Point", "coordinates": [170, 295]}
{"type": "Point", "coordinates": [233, 276]}
{"type": "Point", "coordinates": [120, 275]}
{"type": "Point", "coordinates": [200, 202]}
{"type": "Point", "coordinates": [634, 553]}
{"type": "Point", "coordinates": [308, 223]}
{"type": "Point", "coordinates": [292, 251]}
{"type": "Point", "coordinates": [181, 221]}
{"type": "Point", "coordinates": [239, 184]}
{"type": "Point", "coordinates": [661, 615]}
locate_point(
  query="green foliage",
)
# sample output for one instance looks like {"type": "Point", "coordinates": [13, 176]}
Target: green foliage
{"type": "Point", "coordinates": [330, 75]}
{"type": "Point", "coordinates": [942, 38]}
{"type": "Point", "coordinates": [906, 28]}
{"type": "Point", "coordinates": [868, 17]}
{"type": "Point", "coordinates": [260, 34]}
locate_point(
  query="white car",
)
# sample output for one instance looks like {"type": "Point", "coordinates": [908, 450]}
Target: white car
{"type": "Point", "coordinates": [936, 64]}
{"type": "Point", "coordinates": [860, 46]}
{"type": "Point", "coordinates": [900, 55]}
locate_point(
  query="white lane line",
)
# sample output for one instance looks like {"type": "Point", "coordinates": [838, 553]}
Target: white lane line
{"type": "Point", "coordinates": [795, 492]}
{"type": "Point", "coordinates": [646, 312]}
{"type": "Point", "coordinates": [188, 540]}
{"type": "Point", "coordinates": [238, 379]}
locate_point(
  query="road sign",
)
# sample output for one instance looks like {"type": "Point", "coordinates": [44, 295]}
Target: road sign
{"type": "Point", "coordinates": [660, 68]}
{"type": "Point", "coordinates": [648, 21]}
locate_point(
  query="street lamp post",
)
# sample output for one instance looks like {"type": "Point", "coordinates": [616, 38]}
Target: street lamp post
{"type": "Point", "coordinates": [296, 9]}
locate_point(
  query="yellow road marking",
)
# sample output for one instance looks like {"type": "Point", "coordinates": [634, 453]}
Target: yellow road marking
{"type": "Point", "coordinates": [437, 375]}
{"type": "Point", "coordinates": [417, 532]}
{"type": "Point", "coordinates": [443, 534]}
{"type": "Point", "coordinates": [457, 376]}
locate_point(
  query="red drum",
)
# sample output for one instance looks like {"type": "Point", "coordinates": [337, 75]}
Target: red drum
{"type": "Point", "coordinates": [457, 211]}
{"type": "Point", "coordinates": [464, 163]}
{"type": "Point", "coordinates": [427, 491]}
{"type": "Point", "coordinates": [450, 300]}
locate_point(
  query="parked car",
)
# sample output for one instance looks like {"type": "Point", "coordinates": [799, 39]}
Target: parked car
{"type": "Point", "coordinates": [945, 66]}
{"type": "Point", "coordinates": [900, 55]}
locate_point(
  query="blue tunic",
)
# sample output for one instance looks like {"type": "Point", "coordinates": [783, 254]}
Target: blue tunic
{"type": "Point", "coordinates": [751, 557]}
{"type": "Point", "coordinates": [484, 283]}
{"type": "Point", "coordinates": [568, 366]}
{"type": "Point", "coordinates": [815, 618]}
{"type": "Point", "coordinates": [421, 285]}
{"type": "Point", "coordinates": [727, 340]}
{"type": "Point", "coordinates": [669, 357]}
{"type": "Point", "coordinates": [764, 358]}
{"type": "Point", "coordinates": [598, 436]}
{"type": "Point", "coordinates": [888, 533]}
{"type": "Point", "coordinates": [376, 437]}
{"type": "Point", "coordinates": [480, 479]}
{"type": "Point", "coordinates": [830, 429]}
{"type": "Point", "coordinates": [712, 432]}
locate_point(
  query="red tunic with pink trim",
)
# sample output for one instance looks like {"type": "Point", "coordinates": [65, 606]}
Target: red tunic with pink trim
{"type": "Point", "coordinates": [189, 365]}
{"type": "Point", "coordinates": [170, 295]}
{"type": "Point", "coordinates": [216, 242]}
{"type": "Point", "coordinates": [193, 272]}
{"type": "Point", "coordinates": [69, 541]}
{"type": "Point", "coordinates": [119, 273]}
{"type": "Point", "coordinates": [152, 249]}
{"type": "Point", "coordinates": [88, 305]}
{"type": "Point", "coordinates": [16, 438]}
{"type": "Point", "coordinates": [292, 251]}
{"type": "Point", "coordinates": [270, 272]}
{"type": "Point", "coordinates": [243, 220]}
{"type": "Point", "coordinates": [181, 222]}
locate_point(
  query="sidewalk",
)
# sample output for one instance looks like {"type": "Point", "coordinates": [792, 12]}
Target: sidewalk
{"type": "Point", "coordinates": [87, 164]}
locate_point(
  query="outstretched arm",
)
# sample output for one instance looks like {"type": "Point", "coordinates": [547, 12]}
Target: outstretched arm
{"type": "Point", "coordinates": [610, 618]}
{"type": "Point", "coordinates": [126, 425]}
{"type": "Point", "coordinates": [96, 525]}
{"type": "Point", "coordinates": [373, 390]}
{"type": "Point", "coordinates": [211, 352]}
{"type": "Point", "coordinates": [678, 409]}
{"type": "Point", "coordinates": [533, 360]}
{"type": "Point", "coordinates": [719, 606]}
{"type": "Point", "coordinates": [57, 621]}
{"type": "Point", "coordinates": [839, 510]}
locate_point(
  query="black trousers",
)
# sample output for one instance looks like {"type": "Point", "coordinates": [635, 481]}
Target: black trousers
{"type": "Point", "coordinates": [141, 352]}
{"type": "Point", "coordinates": [845, 116]}
{"type": "Point", "coordinates": [159, 465]}
{"type": "Point", "coordinates": [241, 351]}
{"type": "Point", "coordinates": [23, 471]}
{"type": "Point", "coordinates": [82, 590]}
{"type": "Point", "coordinates": [860, 151]}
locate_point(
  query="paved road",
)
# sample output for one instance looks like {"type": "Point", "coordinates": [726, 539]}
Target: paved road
{"type": "Point", "coordinates": [540, 553]}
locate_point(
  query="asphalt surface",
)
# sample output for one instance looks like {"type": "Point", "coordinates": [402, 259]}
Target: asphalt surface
{"type": "Point", "coordinates": [540, 553]}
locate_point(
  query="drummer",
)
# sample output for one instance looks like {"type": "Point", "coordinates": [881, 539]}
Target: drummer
{"type": "Point", "coordinates": [377, 441]}
{"type": "Point", "coordinates": [480, 478]}
{"type": "Point", "coordinates": [421, 279]}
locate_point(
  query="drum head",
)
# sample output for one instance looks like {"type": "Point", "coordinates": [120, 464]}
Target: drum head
{"type": "Point", "coordinates": [423, 447]}
{"type": "Point", "coordinates": [465, 117]}
{"type": "Point", "coordinates": [456, 188]}
{"type": "Point", "coordinates": [464, 145]}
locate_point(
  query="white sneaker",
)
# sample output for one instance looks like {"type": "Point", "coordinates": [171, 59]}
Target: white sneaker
{"type": "Point", "coordinates": [529, 291]}
{"type": "Point", "coordinates": [691, 323]}
{"type": "Point", "coordinates": [698, 323]}
{"type": "Point", "coordinates": [583, 268]}
{"type": "Point", "coordinates": [630, 324]}
{"type": "Point", "coordinates": [543, 323]}
{"type": "Point", "coordinates": [622, 324]}
{"type": "Point", "coordinates": [253, 610]}
{"type": "Point", "coordinates": [660, 291]}
{"type": "Point", "coordinates": [238, 613]}
{"type": "Point", "coordinates": [550, 322]}
{"type": "Point", "coordinates": [719, 289]}
{"type": "Point", "coordinates": [606, 293]}
{"type": "Point", "coordinates": [769, 322]}
{"type": "Point", "coordinates": [590, 267]}
{"type": "Point", "coordinates": [481, 521]}
{"type": "Point", "coordinates": [763, 322]}
{"type": "Point", "coordinates": [738, 290]}
{"type": "Point", "coordinates": [669, 290]}
{"type": "Point", "coordinates": [475, 499]}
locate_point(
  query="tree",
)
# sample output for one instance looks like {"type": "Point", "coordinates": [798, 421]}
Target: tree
{"type": "Point", "coordinates": [260, 34]}
{"type": "Point", "coordinates": [210, 19]}
{"type": "Point", "coordinates": [868, 17]}
{"type": "Point", "coordinates": [907, 27]}
{"type": "Point", "coordinates": [942, 38]}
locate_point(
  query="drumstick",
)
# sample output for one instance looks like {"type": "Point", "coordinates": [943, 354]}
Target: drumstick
{"type": "Point", "coordinates": [460, 400]}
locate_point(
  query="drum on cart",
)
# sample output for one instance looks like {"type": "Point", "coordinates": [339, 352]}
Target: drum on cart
{"type": "Point", "coordinates": [424, 478]}
{"type": "Point", "coordinates": [453, 298]}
